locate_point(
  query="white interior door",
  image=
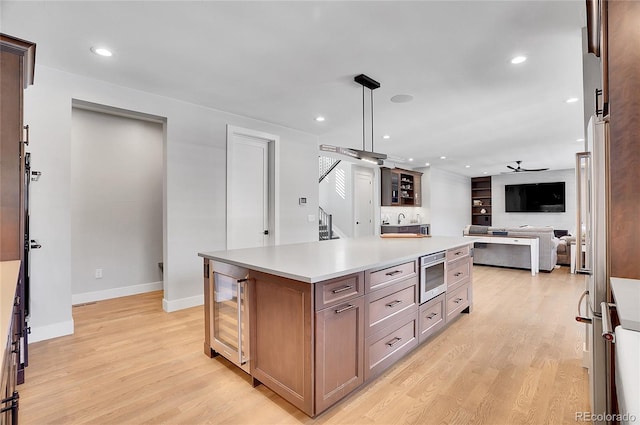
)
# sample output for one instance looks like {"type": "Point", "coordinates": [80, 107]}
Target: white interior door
{"type": "Point", "coordinates": [363, 203]}
{"type": "Point", "coordinates": [248, 211]}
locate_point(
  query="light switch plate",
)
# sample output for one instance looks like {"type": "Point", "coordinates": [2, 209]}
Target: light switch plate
{"type": "Point", "coordinates": [311, 218]}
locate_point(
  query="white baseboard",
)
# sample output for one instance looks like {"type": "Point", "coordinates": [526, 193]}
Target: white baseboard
{"type": "Point", "coordinates": [107, 294]}
{"type": "Point", "coordinates": [182, 303]}
{"type": "Point", "coordinates": [40, 333]}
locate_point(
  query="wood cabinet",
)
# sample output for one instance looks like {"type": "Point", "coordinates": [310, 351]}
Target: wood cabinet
{"type": "Point", "coordinates": [339, 355]}
{"type": "Point", "coordinates": [10, 323]}
{"type": "Point", "coordinates": [621, 82]}
{"type": "Point", "coordinates": [281, 337]}
{"type": "Point", "coordinates": [314, 343]}
{"type": "Point", "coordinates": [431, 317]}
{"type": "Point", "coordinates": [481, 201]}
{"type": "Point", "coordinates": [458, 277]}
{"type": "Point", "coordinates": [458, 300]}
{"type": "Point", "coordinates": [400, 187]}
{"type": "Point", "coordinates": [380, 278]}
{"type": "Point", "coordinates": [384, 305]}
{"type": "Point", "coordinates": [17, 59]}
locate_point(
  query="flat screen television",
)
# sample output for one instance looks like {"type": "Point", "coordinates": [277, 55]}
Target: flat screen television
{"type": "Point", "coordinates": [534, 197]}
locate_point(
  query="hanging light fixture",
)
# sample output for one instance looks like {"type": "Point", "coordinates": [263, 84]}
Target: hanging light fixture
{"type": "Point", "coordinates": [364, 155]}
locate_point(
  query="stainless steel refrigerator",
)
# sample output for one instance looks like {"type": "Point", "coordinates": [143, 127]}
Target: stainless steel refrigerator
{"type": "Point", "coordinates": [591, 259]}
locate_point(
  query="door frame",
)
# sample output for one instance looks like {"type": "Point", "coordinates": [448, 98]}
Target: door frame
{"type": "Point", "coordinates": [273, 143]}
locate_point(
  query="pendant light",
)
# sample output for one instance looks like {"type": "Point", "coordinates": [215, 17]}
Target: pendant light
{"type": "Point", "coordinates": [363, 155]}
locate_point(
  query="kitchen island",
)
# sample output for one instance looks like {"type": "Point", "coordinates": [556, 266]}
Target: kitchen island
{"type": "Point", "coordinates": [323, 318]}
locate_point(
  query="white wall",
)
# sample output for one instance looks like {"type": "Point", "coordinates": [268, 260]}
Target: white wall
{"type": "Point", "coordinates": [116, 205]}
{"type": "Point", "coordinates": [194, 188]}
{"type": "Point", "coordinates": [565, 220]}
{"type": "Point", "coordinates": [450, 203]}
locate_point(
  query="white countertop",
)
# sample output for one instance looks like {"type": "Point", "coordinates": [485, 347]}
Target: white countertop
{"type": "Point", "coordinates": [626, 293]}
{"type": "Point", "coordinates": [317, 261]}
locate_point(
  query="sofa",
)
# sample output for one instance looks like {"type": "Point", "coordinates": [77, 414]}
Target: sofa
{"type": "Point", "coordinates": [564, 247]}
{"type": "Point", "coordinates": [516, 256]}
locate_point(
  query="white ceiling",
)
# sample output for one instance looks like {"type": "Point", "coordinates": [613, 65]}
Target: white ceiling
{"type": "Point", "coordinates": [287, 62]}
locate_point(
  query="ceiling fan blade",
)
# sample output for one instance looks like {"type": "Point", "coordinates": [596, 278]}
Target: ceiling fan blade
{"type": "Point", "coordinates": [534, 169]}
{"type": "Point", "coordinates": [514, 169]}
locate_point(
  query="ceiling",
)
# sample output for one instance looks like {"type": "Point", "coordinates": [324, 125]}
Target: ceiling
{"type": "Point", "coordinates": [288, 62]}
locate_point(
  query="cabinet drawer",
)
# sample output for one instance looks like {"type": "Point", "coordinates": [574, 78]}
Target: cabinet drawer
{"type": "Point", "coordinates": [458, 300]}
{"type": "Point", "coordinates": [458, 272]}
{"type": "Point", "coordinates": [335, 291]}
{"type": "Point", "coordinates": [389, 275]}
{"type": "Point", "coordinates": [390, 344]}
{"type": "Point", "coordinates": [385, 305]}
{"type": "Point", "coordinates": [431, 317]}
{"type": "Point", "coordinates": [460, 252]}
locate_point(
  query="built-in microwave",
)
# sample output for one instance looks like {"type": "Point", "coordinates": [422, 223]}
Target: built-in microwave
{"type": "Point", "coordinates": [432, 272]}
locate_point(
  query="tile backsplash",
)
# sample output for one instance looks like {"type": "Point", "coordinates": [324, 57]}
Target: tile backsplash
{"type": "Point", "coordinates": [412, 215]}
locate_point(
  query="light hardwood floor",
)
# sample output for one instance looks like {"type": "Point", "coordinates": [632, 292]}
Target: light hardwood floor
{"type": "Point", "coordinates": [516, 359]}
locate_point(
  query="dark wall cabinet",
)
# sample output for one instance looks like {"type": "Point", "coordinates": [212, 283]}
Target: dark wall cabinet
{"type": "Point", "coordinates": [481, 201]}
{"type": "Point", "coordinates": [17, 59]}
{"type": "Point", "coordinates": [400, 187]}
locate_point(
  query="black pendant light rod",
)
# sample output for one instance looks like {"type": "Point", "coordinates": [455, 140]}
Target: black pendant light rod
{"type": "Point", "coordinates": [371, 91]}
{"type": "Point", "coordinates": [363, 148]}
{"type": "Point", "coordinates": [371, 84]}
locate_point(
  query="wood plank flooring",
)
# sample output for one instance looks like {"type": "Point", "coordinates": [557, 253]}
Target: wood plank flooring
{"type": "Point", "coordinates": [516, 359]}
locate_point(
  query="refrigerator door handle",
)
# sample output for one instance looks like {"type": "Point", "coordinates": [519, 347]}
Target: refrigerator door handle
{"type": "Point", "coordinates": [607, 332]}
{"type": "Point", "coordinates": [580, 318]}
{"type": "Point", "coordinates": [583, 193]}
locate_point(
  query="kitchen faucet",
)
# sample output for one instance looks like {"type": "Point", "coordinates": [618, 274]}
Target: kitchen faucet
{"type": "Point", "coordinates": [403, 216]}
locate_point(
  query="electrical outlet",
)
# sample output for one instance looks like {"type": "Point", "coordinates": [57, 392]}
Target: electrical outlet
{"type": "Point", "coordinates": [98, 273]}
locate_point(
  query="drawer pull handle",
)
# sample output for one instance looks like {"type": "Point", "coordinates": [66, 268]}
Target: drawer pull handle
{"type": "Point", "coordinates": [394, 341]}
{"type": "Point", "coordinates": [457, 300]}
{"type": "Point", "coordinates": [344, 288]}
{"type": "Point", "coordinates": [393, 273]}
{"type": "Point", "coordinates": [394, 303]}
{"type": "Point", "coordinates": [432, 315]}
{"type": "Point", "coordinates": [458, 253]}
{"type": "Point", "coordinates": [457, 274]}
{"type": "Point", "coordinates": [343, 309]}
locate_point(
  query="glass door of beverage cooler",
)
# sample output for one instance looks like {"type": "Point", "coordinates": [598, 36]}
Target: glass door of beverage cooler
{"type": "Point", "coordinates": [230, 330]}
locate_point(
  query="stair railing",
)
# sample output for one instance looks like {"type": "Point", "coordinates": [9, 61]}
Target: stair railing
{"type": "Point", "coordinates": [325, 222]}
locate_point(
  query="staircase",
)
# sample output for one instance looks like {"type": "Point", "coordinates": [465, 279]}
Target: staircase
{"type": "Point", "coordinates": [325, 225]}
{"type": "Point", "coordinates": [326, 164]}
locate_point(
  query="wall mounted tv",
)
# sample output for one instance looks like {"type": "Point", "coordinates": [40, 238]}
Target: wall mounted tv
{"type": "Point", "coordinates": [534, 197]}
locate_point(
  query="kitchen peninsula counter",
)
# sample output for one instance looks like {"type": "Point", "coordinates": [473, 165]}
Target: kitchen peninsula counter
{"type": "Point", "coordinates": [313, 262]}
{"type": "Point", "coordinates": [315, 321]}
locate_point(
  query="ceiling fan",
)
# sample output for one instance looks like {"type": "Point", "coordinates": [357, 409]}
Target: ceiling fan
{"type": "Point", "coordinates": [519, 169]}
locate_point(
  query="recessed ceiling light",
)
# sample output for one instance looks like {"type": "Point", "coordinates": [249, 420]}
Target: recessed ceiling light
{"type": "Point", "coordinates": [518, 59]}
{"type": "Point", "coordinates": [101, 51]}
{"type": "Point", "coordinates": [443, 157]}
{"type": "Point", "coordinates": [410, 159]}
{"type": "Point", "coordinates": [579, 140]}
{"type": "Point", "coordinates": [572, 100]}
{"type": "Point", "coordinates": [427, 164]}
{"type": "Point", "coordinates": [402, 98]}
{"type": "Point", "coordinates": [386, 136]}
{"type": "Point", "coordinates": [485, 172]}
{"type": "Point", "coordinates": [319, 119]}
{"type": "Point", "coordinates": [467, 166]}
